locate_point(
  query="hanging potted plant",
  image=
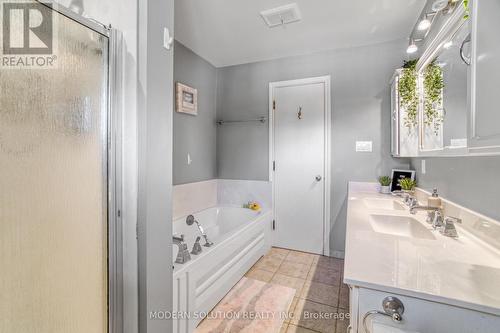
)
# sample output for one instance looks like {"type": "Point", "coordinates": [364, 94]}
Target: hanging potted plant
{"type": "Point", "coordinates": [408, 93]}
{"type": "Point", "coordinates": [433, 85]}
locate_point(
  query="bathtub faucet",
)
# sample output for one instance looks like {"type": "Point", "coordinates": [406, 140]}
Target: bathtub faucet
{"type": "Point", "coordinates": [190, 220]}
{"type": "Point", "coordinates": [183, 255]}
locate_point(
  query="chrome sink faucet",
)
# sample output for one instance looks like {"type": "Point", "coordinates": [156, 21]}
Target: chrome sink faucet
{"type": "Point", "coordinates": [448, 228]}
{"type": "Point", "coordinates": [408, 198]}
{"type": "Point", "coordinates": [183, 255]}
{"type": "Point", "coordinates": [434, 214]}
{"type": "Point", "coordinates": [190, 220]}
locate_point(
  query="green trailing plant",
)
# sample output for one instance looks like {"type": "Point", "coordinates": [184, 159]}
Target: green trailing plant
{"type": "Point", "coordinates": [433, 96]}
{"type": "Point", "coordinates": [467, 10]}
{"type": "Point", "coordinates": [385, 180]}
{"type": "Point", "coordinates": [407, 184]}
{"type": "Point", "coordinates": [408, 94]}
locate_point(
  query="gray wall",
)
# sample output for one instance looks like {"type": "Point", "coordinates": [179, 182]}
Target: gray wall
{"type": "Point", "coordinates": [360, 111]}
{"type": "Point", "coordinates": [473, 182]}
{"type": "Point", "coordinates": [155, 101]}
{"type": "Point", "coordinates": [195, 135]}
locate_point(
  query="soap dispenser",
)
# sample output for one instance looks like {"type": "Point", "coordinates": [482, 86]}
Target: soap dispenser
{"type": "Point", "coordinates": [434, 200]}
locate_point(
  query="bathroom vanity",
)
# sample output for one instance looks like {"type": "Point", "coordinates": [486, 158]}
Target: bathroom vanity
{"type": "Point", "coordinates": [445, 284]}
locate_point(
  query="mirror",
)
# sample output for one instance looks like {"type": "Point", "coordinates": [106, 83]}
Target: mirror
{"type": "Point", "coordinates": [444, 87]}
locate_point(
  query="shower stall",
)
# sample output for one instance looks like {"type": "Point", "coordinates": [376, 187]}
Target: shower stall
{"type": "Point", "coordinates": [59, 201]}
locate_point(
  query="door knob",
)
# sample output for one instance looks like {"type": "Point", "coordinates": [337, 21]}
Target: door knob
{"type": "Point", "coordinates": [318, 178]}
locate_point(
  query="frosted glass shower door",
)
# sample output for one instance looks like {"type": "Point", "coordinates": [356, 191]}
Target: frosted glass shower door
{"type": "Point", "coordinates": [53, 189]}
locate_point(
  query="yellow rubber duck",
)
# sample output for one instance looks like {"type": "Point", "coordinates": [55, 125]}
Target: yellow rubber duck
{"type": "Point", "coordinates": [254, 206]}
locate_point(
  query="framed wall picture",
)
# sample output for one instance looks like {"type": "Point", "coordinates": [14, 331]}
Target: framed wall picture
{"type": "Point", "coordinates": [397, 175]}
{"type": "Point", "coordinates": [186, 99]}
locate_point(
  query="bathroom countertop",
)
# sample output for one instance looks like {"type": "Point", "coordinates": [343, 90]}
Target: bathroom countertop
{"type": "Point", "coordinates": [463, 272]}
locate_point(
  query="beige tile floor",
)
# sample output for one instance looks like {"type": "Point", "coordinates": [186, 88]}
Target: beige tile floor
{"type": "Point", "coordinates": [317, 281]}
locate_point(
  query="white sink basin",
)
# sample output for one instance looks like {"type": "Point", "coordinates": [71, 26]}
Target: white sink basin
{"type": "Point", "coordinates": [385, 204]}
{"type": "Point", "coordinates": [403, 226]}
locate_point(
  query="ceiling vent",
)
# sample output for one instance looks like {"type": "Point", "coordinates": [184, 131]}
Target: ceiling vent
{"type": "Point", "coordinates": [281, 15]}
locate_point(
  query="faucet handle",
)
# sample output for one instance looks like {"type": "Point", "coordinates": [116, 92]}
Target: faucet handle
{"type": "Point", "coordinates": [412, 201]}
{"type": "Point", "coordinates": [448, 228]}
{"type": "Point", "coordinates": [179, 238]}
{"type": "Point", "coordinates": [197, 247]}
{"type": "Point", "coordinates": [452, 220]}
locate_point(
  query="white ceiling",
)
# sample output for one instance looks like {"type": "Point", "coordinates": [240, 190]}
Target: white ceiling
{"type": "Point", "coordinates": [230, 32]}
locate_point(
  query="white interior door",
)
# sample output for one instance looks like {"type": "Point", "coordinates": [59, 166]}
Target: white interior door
{"type": "Point", "coordinates": [300, 163]}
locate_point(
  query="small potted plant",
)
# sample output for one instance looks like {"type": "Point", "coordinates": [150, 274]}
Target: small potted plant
{"type": "Point", "coordinates": [407, 184]}
{"type": "Point", "coordinates": [385, 184]}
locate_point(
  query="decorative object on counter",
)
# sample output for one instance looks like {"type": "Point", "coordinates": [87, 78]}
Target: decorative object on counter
{"type": "Point", "coordinates": [408, 93]}
{"type": "Point", "coordinates": [186, 99]}
{"type": "Point", "coordinates": [385, 184]}
{"type": "Point", "coordinates": [252, 205]}
{"type": "Point", "coordinates": [433, 85]}
{"type": "Point", "coordinates": [397, 175]}
{"type": "Point", "coordinates": [434, 200]}
{"type": "Point", "coordinates": [407, 184]}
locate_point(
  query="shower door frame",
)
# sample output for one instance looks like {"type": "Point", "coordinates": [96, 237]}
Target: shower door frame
{"type": "Point", "coordinates": [113, 164]}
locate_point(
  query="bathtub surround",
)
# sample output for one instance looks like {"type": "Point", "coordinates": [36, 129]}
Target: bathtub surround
{"type": "Point", "coordinates": [195, 197]}
{"type": "Point", "coordinates": [231, 192]}
{"type": "Point", "coordinates": [473, 181]}
{"type": "Point", "coordinates": [250, 296]}
{"type": "Point", "coordinates": [195, 135]}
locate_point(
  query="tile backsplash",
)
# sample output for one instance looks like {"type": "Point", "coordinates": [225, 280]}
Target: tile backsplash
{"type": "Point", "coordinates": [237, 192]}
{"type": "Point", "coordinates": [194, 197]}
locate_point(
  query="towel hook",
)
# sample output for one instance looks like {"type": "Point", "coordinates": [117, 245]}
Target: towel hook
{"type": "Point", "coordinates": [393, 308]}
{"type": "Point", "coordinates": [299, 115]}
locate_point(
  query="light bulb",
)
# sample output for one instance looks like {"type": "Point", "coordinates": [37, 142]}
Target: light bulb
{"type": "Point", "coordinates": [424, 24]}
{"type": "Point", "coordinates": [412, 48]}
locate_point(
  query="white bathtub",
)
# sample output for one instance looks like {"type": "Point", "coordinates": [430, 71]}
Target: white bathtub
{"type": "Point", "coordinates": [240, 238]}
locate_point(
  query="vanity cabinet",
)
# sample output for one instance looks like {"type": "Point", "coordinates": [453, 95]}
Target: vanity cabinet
{"type": "Point", "coordinates": [484, 121]}
{"type": "Point", "coordinates": [423, 316]}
